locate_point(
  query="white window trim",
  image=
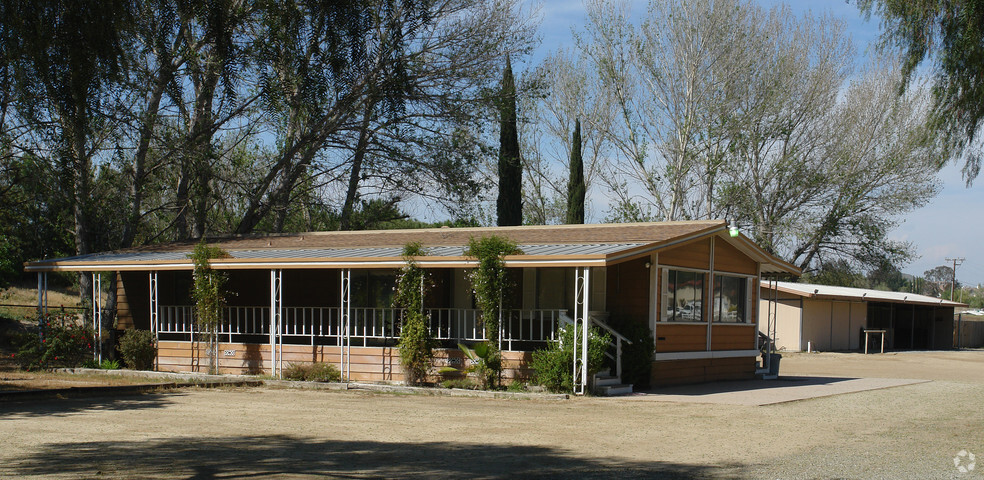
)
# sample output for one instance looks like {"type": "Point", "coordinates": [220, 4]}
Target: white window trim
{"type": "Point", "coordinates": [664, 281]}
{"type": "Point", "coordinates": [748, 297]}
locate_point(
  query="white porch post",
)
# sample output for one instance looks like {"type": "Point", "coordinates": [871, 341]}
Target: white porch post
{"type": "Point", "coordinates": [154, 315]}
{"type": "Point", "coordinates": [276, 305]}
{"type": "Point", "coordinates": [345, 315]}
{"type": "Point", "coordinates": [42, 301]}
{"type": "Point", "coordinates": [97, 317]}
{"type": "Point", "coordinates": [582, 292]}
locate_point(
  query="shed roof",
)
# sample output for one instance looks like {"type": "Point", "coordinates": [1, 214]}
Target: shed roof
{"type": "Point", "coordinates": [542, 245]}
{"type": "Point", "coordinates": [828, 292]}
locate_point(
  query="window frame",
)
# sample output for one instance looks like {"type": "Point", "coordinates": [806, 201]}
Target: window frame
{"type": "Point", "coordinates": [748, 298]}
{"type": "Point", "coordinates": [664, 294]}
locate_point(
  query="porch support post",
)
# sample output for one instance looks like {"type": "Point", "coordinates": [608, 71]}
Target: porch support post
{"type": "Point", "coordinates": [345, 315]}
{"type": "Point", "coordinates": [582, 320]}
{"type": "Point", "coordinates": [154, 316]}
{"type": "Point", "coordinates": [97, 317]}
{"type": "Point", "coordinates": [276, 305]}
{"type": "Point", "coordinates": [42, 301]}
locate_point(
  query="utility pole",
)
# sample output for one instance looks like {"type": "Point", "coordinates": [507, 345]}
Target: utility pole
{"type": "Point", "coordinates": [956, 261]}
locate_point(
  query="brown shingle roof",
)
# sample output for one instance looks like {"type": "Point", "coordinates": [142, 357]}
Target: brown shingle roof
{"type": "Point", "coordinates": [655, 232]}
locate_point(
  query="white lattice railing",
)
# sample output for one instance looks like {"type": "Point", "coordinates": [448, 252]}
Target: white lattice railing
{"type": "Point", "coordinates": [451, 324]}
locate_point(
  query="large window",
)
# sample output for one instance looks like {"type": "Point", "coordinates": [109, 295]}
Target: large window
{"type": "Point", "coordinates": [730, 304]}
{"type": "Point", "coordinates": [684, 296]}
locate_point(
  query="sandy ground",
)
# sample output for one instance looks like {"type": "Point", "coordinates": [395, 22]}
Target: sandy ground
{"type": "Point", "coordinates": [911, 431]}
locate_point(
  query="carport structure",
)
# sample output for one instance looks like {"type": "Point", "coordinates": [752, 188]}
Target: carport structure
{"type": "Point", "coordinates": [830, 318]}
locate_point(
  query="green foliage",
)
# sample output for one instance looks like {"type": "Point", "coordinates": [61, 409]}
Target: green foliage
{"type": "Point", "coordinates": [209, 296]}
{"type": "Point", "coordinates": [486, 363]}
{"type": "Point", "coordinates": [490, 281]}
{"type": "Point", "coordinates": [138, 349]}
{"type": "Point", "coordinates": [575, 183]}
{"type": "Point", "coordinates": [463, 383]}
{"type": "Point", "coordinates": [109, 364]}
{"type": "Point", "coordinates": [951, 36]}
{"type": "Point", "coordinates": [64, 345]}
{"type": "Point", "coordinates": [637, 357]}
{"type": "Point", "coordinates": [509, 204]}
{"type": "Point", "coordinates": [415, 341]}
{"type": "Point", "coordinates": [313, 372]}
{"type": "Point", "coordinates": [553, 367]}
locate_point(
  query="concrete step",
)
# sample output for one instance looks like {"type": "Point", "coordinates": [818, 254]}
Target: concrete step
{"type": "Point", "coordinates": [606, 380]}
{"type": "Point", "coordinates": [613, 390]}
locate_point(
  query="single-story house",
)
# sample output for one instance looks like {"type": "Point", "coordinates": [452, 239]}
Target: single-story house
{"type": "Point", "coordinates": [827, 318]}
{"type": "Point", "coordinates": [326, 296]}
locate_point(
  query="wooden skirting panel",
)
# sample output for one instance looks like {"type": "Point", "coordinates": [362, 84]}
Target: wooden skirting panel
{"type": "Point", "coordinates": [672, 337]}
{"type": "Point", "coordinates": [677, 372]}
{"type": "Point", "coordinates": [368, 364]}
{"type": "Point", "coordinates": [733, 337]}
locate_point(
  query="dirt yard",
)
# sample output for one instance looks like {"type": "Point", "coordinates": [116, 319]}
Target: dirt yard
{"type": "Point", "coordinates": [912, 431]}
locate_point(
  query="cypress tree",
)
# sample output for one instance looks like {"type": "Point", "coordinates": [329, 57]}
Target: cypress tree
{"type": "Point", "coordinates": [575, 183]}
{"type": "Point", "coordinates": [509, 205]}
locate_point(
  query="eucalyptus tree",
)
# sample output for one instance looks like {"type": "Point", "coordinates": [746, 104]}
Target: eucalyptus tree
{"type": "Point", "coordinates": [950, 35]}
{"type": "Point", "coordinates": [66, 59]}
{"type": "Point", "coordinates": [389, 102]}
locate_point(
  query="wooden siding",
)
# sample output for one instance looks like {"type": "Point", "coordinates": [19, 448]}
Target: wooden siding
{"type": "Point", "coordinates": [676, 372]}
{"type": "Point", "coordinates": [133, 301]}
{"type": "Point", "coordinates": [368, 364]}
{"type": "Point", "coordinates": [733, 337]}
{"type": "Point", "coordinates": [729, 259]}
{"type": "Point", "coordinates": [627, 290]}
{"type": "Point", "coordinates": [695, 254]}
{"type": "Point", "coordinates": [671, 337]}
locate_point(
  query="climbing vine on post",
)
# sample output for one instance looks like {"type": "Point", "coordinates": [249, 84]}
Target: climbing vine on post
{"type": "Point", "coordinates": [489, 280]}
{"type": "Point", "coordinates": [209, 296]}
{"type": "Point", "coordinates": [415, 340]}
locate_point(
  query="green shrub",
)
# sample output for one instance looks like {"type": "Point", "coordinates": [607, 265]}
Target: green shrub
{"type": "Point", "coordinates": [637, 357]}
{"type": "Point", "coordinates": [313, 372]}
{"type": "Point", "coordinates": [64, 345]}
{"type": "Point", "coordinates": [464, 383]}
{"type": "Point", "coordinates": [486, 363]}
{"type": "Point", "coordinates": [553, 367]}
{"type": "Point", "coordinates": [138, 348]}
{"type": "Point", "coordinates": [110, 365]}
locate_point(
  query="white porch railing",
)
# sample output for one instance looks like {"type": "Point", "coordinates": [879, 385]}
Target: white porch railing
{"type": "Point", "coordinates": [519, 327]}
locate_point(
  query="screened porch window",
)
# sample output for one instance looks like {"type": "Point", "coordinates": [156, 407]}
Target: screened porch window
{"type": "Point", "coordinates": [730, 303]}
{"type": "Point", "coordinates": [684, 296]}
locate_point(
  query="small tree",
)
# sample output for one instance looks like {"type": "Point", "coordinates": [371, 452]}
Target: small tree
{"type": "Point", "coordinates": [209, 296]}
{"type": "Point", "coordinates": [489, 281]}
{"type": "Point", "coordinates": [415, 340]}
{"type": "Point", "coordinates": [575, 184]}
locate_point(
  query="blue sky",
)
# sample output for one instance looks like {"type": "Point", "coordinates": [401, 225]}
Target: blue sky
{"type": "Point", "coordinates": [951, 225]}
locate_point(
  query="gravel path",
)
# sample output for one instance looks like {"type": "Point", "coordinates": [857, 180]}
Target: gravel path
{"type": "Point", "coordinates": [911, 431]}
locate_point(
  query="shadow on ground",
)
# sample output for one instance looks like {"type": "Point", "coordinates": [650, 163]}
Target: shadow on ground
{"type": "Point", "coordinates": [287, 456]}
{"type": "Point", "coordinates": [68, 406]}
{"type": "Point", "coordinates": [712, 388]}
